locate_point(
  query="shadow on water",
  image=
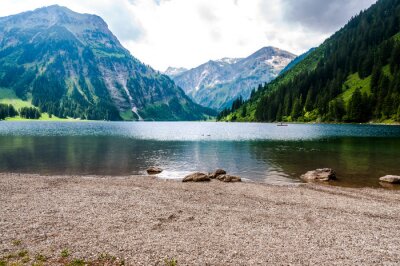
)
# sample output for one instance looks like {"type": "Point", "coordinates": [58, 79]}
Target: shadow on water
{"type": "Point", "coordinates": [259, 153]}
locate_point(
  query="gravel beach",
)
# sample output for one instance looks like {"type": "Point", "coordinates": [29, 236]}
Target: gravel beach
{"type": "Point", "coordinates": [147, 221]}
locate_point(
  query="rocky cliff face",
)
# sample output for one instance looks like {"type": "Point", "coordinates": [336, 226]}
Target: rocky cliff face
{"type": "Point", "coordinates": [217, 84]}
{"type": "Point", "coordinates": [70, 64]}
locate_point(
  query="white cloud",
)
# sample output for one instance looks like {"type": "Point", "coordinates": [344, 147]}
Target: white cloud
{"type": "Point", "coordinates": [186, 33]}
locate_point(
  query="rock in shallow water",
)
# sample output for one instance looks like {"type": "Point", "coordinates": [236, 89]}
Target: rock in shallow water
{"type": "Point", "coordinates": [154, 170]}
{"type": "Point", "coordinates": [319, 175]}
{"type": "Point", "coordinates": [229, 178]}
{"type": "Point", "coordinates": [196, 177]}
{"type": "Point", "coordinates": [393, 179]}
{"type": "Point", "coordinates": [217, 173]}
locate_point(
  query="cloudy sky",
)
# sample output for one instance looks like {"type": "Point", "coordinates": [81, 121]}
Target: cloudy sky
{"type": "Point", "coordinates": [186, 33]}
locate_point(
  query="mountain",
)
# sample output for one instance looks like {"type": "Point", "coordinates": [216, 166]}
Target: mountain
{"type": "Point", "coordinates": [174, 71]}
{"type": "Point", "coordinates": [216, 84]}
{"type": "Point", "coordinates": [354, 76]}
{"type": "Point", "coordinates": [71, 65]}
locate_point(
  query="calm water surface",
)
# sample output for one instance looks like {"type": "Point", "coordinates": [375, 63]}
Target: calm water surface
{"type": "Point", "coordinates": [260, 152]}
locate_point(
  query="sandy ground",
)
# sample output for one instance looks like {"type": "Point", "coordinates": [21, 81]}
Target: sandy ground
{"type": "Point", "coordinates": [143, 220]}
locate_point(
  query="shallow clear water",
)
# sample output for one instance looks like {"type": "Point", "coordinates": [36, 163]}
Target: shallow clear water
{"type": "Point", "coordinates": [260, 152]}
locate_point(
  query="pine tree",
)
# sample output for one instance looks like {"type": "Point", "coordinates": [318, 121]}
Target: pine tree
{"type": "Point", "coordinates": [355, 111]}
{"type": "Point", "coordinates": [395, 59]}
{"type": "Point", "coordinates": [376, 76]}
{"type": "Point", "coordinates": [308, 106]}
{"type": "Point", "coordinates": [296, 111]}
{"type": "Point", "coordinates": [244, 111]}
{"type": "Point", "coordinates": [398, 114]}
{"type": "Point", "coordinates": [279, 114]}
{"type": "Point", "coordinates": [336, 110]}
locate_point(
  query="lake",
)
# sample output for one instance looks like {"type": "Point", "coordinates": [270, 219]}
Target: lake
{"type": "Point", "coordinates": [360, 154]}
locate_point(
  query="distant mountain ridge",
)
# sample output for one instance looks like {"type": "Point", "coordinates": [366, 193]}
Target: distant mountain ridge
{"type": "Point", "coordinates": [70, 64]}
{"type": "Point", "coordinates": [174, 71]}
{"type": "Point", "coordinates": [217, 83]}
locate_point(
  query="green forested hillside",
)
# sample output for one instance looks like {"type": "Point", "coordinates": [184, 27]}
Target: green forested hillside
{"type": "Point", "coordinates": [68, 64]}
{"type": "Point", "coordinates": [354, 76]}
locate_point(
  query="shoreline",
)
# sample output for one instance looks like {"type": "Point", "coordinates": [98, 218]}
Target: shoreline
{"type": "Point", "coordinates": [199, 121]}
{"type": "Point", "coordinates": [145, 220]}
{"type": "Point", "coordinates": [163, 177]}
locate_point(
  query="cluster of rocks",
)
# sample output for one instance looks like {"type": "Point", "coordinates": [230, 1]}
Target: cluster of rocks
{"type": "Point", "coordinates": [318, 175]}
{"type": "Point", "coordinates": [218, 174]}
{"type": "Point", "coordinates": [327, 174]}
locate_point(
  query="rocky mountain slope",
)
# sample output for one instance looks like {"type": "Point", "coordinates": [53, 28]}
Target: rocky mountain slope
{"type": "Point", "coordinates": [216, 84]}
{"type": "Point", "coordinates": [71, 65]}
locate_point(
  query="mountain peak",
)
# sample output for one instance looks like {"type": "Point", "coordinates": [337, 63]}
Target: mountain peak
{"type": "Point", "coordinates": [48, 16]}
{"type": "Point", "coordinates": [54, 7]}
{"type": "Point", "coordinates": [270, 48]}
{"type": "Point", "coordinates": [65, 11]}
{"type": "Point", "coordinates": [174, 71]}
{"type": "Point", "coordinates": [228, 60]}
{"type": "Point", "coordinates": [270, 51]}
{"type": "Point", "coordinates": [59, 22]}
{"type": "Point", "coordinates": [58, 11]}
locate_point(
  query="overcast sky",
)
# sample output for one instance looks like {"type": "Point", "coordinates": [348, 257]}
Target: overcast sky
{"type": "Point", "coordinates": [186, 33]}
